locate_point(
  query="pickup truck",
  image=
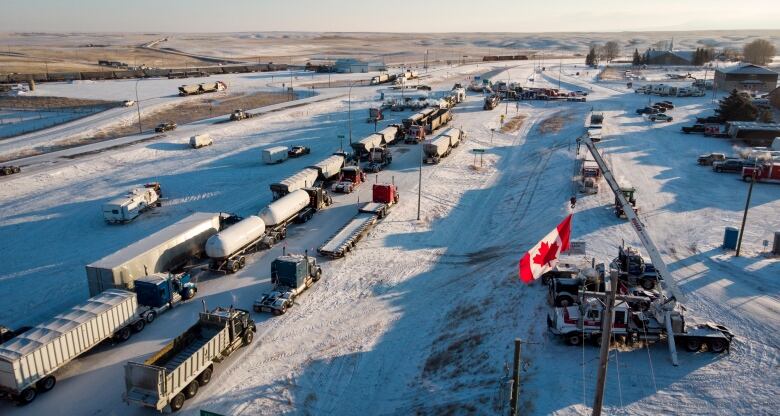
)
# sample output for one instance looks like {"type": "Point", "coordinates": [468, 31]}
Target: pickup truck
{"type": "Point", "coordinates": [9, 170]}
{"type": "Point", "coordinates": [647, 110]}
{"type": "Point", "coordinates": [296, 151]}
{"type": "Point", "coordinates": [710, 158]}
{"type": "Point", "coordinates": [728, 165]}
{"type": "Point", "coordinates": [661, 117]}
{"type": "Point", "coordinates": [696, 128]}
{"type": "Point", "coordinates": [163, 127]}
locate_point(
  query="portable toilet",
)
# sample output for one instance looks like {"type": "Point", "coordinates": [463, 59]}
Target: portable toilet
{"type": "Point", "coordinates": [730, 236]}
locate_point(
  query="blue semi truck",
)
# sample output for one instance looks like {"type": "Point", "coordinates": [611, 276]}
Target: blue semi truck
{"type": "Point", "coordinates": [159, 292]}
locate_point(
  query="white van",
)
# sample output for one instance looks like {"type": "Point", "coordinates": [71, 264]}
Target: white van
{"type": "Point", "coordinates": [200, 140]}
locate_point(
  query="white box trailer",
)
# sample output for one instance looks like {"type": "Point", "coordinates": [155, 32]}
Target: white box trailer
{"type": "Point", "coordinates": [329, 168]}
{"type": "Point", "coordinates": [200, 140]}
{"type": "Point", "coordinates": [28, 361]}
{"type": "Point", "coordinates": [276, 154]}
{"type": "Point", "coordinates": [302, 179]}
{"type": "Point", "coordinates": [163, 251]}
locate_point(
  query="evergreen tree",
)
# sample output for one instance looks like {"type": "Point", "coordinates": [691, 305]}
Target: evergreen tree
{"type": "Point", "coordinates": [737, 107]}
{"type": "Point", "coordinates": [590, 58]}
{"type": "Point", "coordinates": [637, 59]}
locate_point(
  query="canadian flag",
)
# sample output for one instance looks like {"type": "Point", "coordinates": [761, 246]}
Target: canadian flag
{"type": "Point", "coordinates": [544, 256]}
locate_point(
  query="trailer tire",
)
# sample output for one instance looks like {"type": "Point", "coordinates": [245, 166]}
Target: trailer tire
{"type": "Point", "coordinates": [241, 262]}
{"type": "Point", "coordinates": [177, 402]}
{"type": "Point", "coordinates": [716, 346]}
{"type": "Point", "coordinates": [149, 318]}
{"type": "Point", "coordinates": [46, 384]}
{"type": "Point", "coordinates": [192, 389]}
{"type": "Point", "coordinates": [574, 339]}
{"type": "Point", "coordinates": [26, 396]}
{"type": "Point", "coordinates": [248, 337]}
{"type": "Point", "coordinates": [648, 284]}
{"type": "Point", "coordinates": [138, 325]}
{"type": "Point", "coordinates": [205, 377]}
{"type": "Point", "coordinates": [693, 344]}
{"type": "Point", "coordinates": [123, 334]}
{"type": "Point", "coordinates": [564, 301]}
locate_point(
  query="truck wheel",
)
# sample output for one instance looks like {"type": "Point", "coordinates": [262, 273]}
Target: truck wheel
{"type": "Point", "coordinates": [191, 390]}
{"type": "Point", "coordinates": [241, 262]}
{"type": "Point", "coordinates": [205, 377]}
{"type": "Point", "coordinates": [317, 275]}
{"type": "Point", "coordinates": [178, 402]}
{"type": "Point", "coordinates": [283, 233]}
{"type": "Point", "coordinates": [123, 334]}
{"type": "Point", "coordinates": [138, 325]}
{"type": "Point", "coordinates": [564, 301]}
{"type": "Point", "coordinates": [648, 284]}
{"type": "Point", "coordinates": [574, 339]}
{"type": "Point", "coordinates": [716, 346]}
{"type": "Point", "coordinates": [46, 384]}
{"type": "Point", "coordinates": [188, 294]}
{"type": "Point", "coordinates": [693, 344]}
{"type": "Point", "coordinates": [248, 337]}
{"type": "Point", "coordinates": [26, 396]}
{"type": "Point", "coordinates": [150, 317]}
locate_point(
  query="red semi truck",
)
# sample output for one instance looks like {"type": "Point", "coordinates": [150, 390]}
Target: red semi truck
{"type": "Point", "coordinates": [767, 172]}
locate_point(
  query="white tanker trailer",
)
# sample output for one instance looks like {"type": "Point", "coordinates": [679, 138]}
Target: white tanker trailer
{"type": "Point", "coordinates": [227, 248]}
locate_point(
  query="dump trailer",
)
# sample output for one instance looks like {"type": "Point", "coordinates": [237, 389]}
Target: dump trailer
{"type": "Point", "coordinates": [298, 206]}
{"type": "Point", "coordinates": [166, 250]}
{"type": "Point", "coordinates": [412, 120]}
{"type": "Point", "coordinates": [176, 372]}
{"type": "Point", "coordinates": [302, 179]}
{"type": "Point", "coordinates": [191, 89]}
{"type": "Point", "coordinates": [291, 275]}
{"type": "Point", "coordinates": [29, 360]}
{"type": "Point", "coordinates": [442, 145]}
{"type": "Point", "coordinates": [363, 146]}
{"type": "Point", "coordinates": [390, 133]}
{"type": "Point", "coordinates": [380, 79]}
{"type": "Point", "coordinates": [206, 87]}
{"type": "Point", "coordinates": [329, 168]}
{"type": "Point", "coordinates": [438, 120]}
{"type": "Point", "coordinates": [276, 154]}
{"type": "Point", "coordinates": [383, 198]}
{"type": "Point", "coordinates": [125, 209]}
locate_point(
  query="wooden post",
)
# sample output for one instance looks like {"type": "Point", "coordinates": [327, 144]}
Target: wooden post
{"type": "Point", "coordinates": [606, 334]}
{"type": "Point", "coordinates": [514, 400]}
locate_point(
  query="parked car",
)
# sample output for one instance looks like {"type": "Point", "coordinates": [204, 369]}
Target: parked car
{"type": "Point", "coordinates": [664, 104]}
{"type": "Point", "coordinates": [661, 117]}
{"type": "Point", "coordinates": [163, 127]}
{"type": "Point", "coordinates": [696, 128]}
{"type": "Point", "coordinates": [296, 151]}
{"type": "Point", "coordinates": [128, 103]}
{"type": "Point", "coordinates": [9, 170]}
{"type": "Point", "coordinates": [710, 158]}
{"type": "Point", "coordinates": [647, 110]}
{"type": "Point", "coordinates": [729, 165]}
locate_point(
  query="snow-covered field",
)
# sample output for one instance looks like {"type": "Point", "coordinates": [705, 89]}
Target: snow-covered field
{"type": "Point", "coordinates": [420, 318]}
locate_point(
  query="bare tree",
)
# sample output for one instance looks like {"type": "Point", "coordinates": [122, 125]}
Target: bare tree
{"type": "Point", "coordinates": [611, 50]}
{"type": "Point", "coordinates": [759, 52]}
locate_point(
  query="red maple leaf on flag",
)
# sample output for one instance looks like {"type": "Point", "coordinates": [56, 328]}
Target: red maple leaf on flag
{"type": "Point", "coordinates": [547, 253]}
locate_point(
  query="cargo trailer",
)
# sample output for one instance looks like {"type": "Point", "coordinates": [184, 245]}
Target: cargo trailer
{"type": "Point", "coordinates": [302, 179]}
{"type": "Point", "coordinates": [276, 154]}
{"type": "Point", "coordinates": [166, 250]}
{"type": "Point", "coordinates": [329, 168]}
{"type": "Point", "coordinates": [29, 360]}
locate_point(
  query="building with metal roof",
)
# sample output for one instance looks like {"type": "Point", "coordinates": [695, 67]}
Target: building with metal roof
{"type": "Point", "coordinates": [746, 77]}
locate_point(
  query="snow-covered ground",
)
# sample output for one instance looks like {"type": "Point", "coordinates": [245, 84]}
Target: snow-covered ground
{"type": "Point", "coordinates": [420, 318]}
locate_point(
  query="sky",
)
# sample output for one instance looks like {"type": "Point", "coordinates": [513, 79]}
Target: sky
{"type": "Point", "coordinates": [385, 15]}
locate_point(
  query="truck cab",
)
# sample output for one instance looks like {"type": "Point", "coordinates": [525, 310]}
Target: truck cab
{"type": "Point", "coordinates": [415, 134]}
{"type": "Point", "coordinates": [351, 177]}
{"type": "Point", "coordinates": [159, 292]}
{"type": "Point", "coordinates": [628, 192]}
{"type": "Point", "coordinates": [318, 199]}
{"type": "Point", "coordinates": [766, 172]}
{"type": "Point", "coordinates": [633, 268]}
{"type": "Point", "coordinates": [571, 322]}
{"type": "Point", "coordinates": [378, 158]}
{"type": "Point", "coordinates": [291, 274]}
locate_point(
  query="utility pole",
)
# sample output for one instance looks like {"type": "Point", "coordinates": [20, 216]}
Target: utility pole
{"type": "Point", "coordinates": [514, 400]}
{"type": "Point", "coordinates": [419, 184]}
{"type": "Point", "coordinates": [560, 66]}
{"type": "Point", "coordinates": [744, 216]}
{"type": "Point", "coordinates": [138, 106]}
{"type": "Point", "coordinates": [606, 335]}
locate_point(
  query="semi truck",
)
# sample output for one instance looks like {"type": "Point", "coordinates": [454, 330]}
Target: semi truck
{"type": "Point", "coordinates": [276, 154]}
{"type": "Point", "coordinates": [29, 360]}
{"type": "Point", "coordinates": [763, 172]}
{"type": "Point", "coordinates": [374, 115]}
{"type": "Point", "coordinates": [574, 324]}
{"type": "Point", "coordinates": [302, 179]}
{"type": "Point", "coordinates": [291, 275]}
{"type": "Point", "coordinates": [298, 206]}
{"type": "Point", "coordinates": [378, 159]}
{"type": "Point", "coordinates": [384, 197]}
{"type": "Point", "coordinates": [169, 249]}
{"type": "Point", "coordinates": [363, 146]}
{"type": "Point", "coordinates": [240, 114]}
{"type": "Point", "coordinates": [590, 175]}
{"type": "Point", "coordinates": [138, 200]}
{"type": "Point", "coordinates": [351, 177]}
{"type": "Point", "coordinates": [159, 292]}
{"type": "Point", "coordinates": [175, 373]}
{"type": "Point", "coordinates": [415, 134]}
{"type": "Point", "coordinates": [206, 87]}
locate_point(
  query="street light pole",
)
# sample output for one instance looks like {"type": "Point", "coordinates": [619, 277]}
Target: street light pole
{"type": "Point", "coordinates": [138, 106]}
{"type": "Point", "coordinates": [419, 184]}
